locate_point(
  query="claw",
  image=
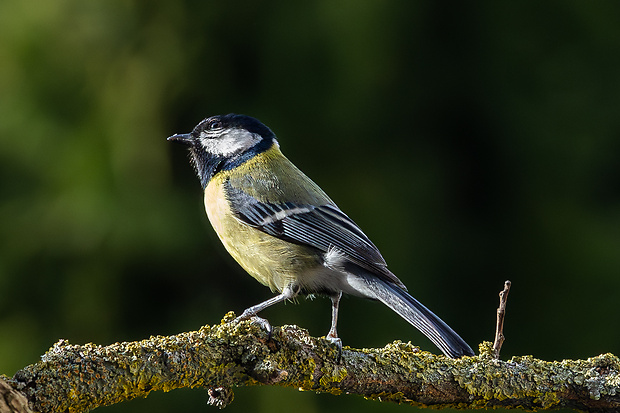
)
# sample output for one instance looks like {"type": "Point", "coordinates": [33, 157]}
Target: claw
{"type": "Point", "coordinates": [338, 343]}
{"type": "Point", "coordinates": [287, 293]}
{"type": "Point", "coordinates": [263, 323]}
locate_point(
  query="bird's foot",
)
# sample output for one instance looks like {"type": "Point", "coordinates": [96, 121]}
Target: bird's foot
{"type": "Point", "coordinates": [336, 341]}
{"type": "Point", "coordinates": [250, 315]}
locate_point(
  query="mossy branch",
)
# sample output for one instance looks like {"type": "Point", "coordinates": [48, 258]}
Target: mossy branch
{"type": "Point", "coordinates": [77, 378]}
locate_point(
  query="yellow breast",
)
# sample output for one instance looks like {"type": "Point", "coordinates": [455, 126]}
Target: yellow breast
{"type": "Point", "coordinates": [273, 262]}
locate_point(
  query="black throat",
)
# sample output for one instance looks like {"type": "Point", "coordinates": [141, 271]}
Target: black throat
{"type": "Point", "coordinates": [208, 165]}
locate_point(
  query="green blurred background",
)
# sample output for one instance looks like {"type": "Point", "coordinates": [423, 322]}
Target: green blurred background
{"type": "Point", "coordinates": [472, 141]}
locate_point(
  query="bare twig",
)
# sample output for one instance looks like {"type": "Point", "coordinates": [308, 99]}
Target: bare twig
{"type": "Point", "coordinates": [501, 312]}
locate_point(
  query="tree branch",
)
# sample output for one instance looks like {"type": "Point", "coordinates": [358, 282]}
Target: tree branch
{"type": "Point", "coordinates": [79, 378]}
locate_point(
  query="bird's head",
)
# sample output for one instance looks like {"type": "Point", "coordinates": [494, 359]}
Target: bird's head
{"type": "Point", "coordinates": [224, 142]}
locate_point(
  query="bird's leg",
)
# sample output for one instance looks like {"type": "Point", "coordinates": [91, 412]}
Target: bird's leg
{"type": "Point", "coordinates": [287, 293]}
{"type": "Point", "coordinates": [332, 336]}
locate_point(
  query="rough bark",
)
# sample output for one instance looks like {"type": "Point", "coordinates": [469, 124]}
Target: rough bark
{"type": "Point", "coordinates": [78, 378]}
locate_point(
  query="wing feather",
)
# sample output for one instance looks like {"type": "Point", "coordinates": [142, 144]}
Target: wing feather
{"type": "Point", "coordinates": [323, 227]}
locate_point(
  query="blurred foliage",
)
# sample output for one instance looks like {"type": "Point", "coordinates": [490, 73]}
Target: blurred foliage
{"type": "Point", "coordinates": [473, 141]}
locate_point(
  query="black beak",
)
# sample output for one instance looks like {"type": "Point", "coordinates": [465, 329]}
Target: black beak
{"type": "Point", "coordinates": [184, 138]}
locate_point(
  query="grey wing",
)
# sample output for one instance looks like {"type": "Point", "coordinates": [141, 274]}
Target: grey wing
{"type": "Point", "coordinates": [323, 227]}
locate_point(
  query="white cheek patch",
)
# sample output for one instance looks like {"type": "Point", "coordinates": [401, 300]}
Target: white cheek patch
{"type": "Point", "coordinates": [231, 142]}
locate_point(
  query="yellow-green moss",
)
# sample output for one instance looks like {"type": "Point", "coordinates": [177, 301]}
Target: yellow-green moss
{"type": "Point", "coordinates": [78, 378]}
{"type": "Point", "coordinates": [332, 375]}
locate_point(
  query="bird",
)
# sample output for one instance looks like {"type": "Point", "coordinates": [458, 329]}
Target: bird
{"type": "Point", "coordinates": [285, 231]}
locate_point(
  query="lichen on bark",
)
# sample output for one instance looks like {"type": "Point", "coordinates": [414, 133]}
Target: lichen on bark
{"type": "Point", "coordinates": [78, 378]}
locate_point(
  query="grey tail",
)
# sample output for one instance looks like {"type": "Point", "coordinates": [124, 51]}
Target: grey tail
{"type": "Point", "coordinates": [450, 343]}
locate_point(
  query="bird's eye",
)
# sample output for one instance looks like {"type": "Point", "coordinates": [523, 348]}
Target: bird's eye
{"type": "Point", "coordinates": [215, 124]}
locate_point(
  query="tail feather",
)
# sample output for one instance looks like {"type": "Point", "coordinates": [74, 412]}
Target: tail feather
{"type": "Point", "coordinates": [450, 343]}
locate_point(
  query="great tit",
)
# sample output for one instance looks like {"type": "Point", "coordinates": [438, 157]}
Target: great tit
{"type": "Point", "coordinates": [288, 234]}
